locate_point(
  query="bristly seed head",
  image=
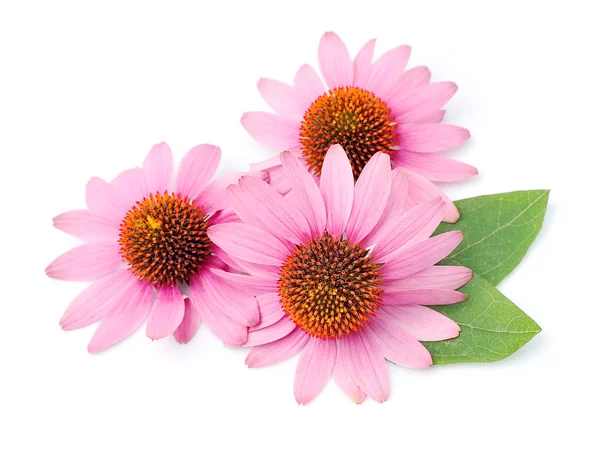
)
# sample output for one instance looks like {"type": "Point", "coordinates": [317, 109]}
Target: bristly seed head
{"type": "Point", "coordinates": [352, 117]}
{"type": "Point", "coordinates": [330, 287]}
{"type": "Point", "coordinates": [163, 239]}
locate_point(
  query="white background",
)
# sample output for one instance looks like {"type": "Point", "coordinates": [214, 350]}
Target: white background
{"type": "Point", "coordinates": [86, 88]}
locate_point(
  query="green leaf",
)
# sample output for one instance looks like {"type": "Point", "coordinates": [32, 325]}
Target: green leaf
{"type": "Point", "coordinates": [498, 229]}
{"type": "Point", "coordinates": [492, 327]}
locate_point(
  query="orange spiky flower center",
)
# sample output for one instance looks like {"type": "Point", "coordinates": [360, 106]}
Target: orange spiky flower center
{"type": "Point", "coordinates": [352, 117]}
{"type": "Point", "coordinates": [163, 238]}
{"type": "Point", "coordinates": [330, 287]}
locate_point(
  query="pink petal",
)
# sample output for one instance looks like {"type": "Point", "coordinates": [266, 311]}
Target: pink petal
{"type": "Point", "coordinates": [281, 97]}
{"type": "Point", "coordinates": [253, 284]}
{"type": "Point", "coordinates": [306, 192]}
{"type": "Point", "coordinates": [337, 188]}
{"type": "Point", "coordinates": [271, 311]}
{"type": "Point", "coordinates": [87, 262]}
{"type": "Point", "coordinates": [196, 169]}
{"type": "Point", "coordinates": [422, 323]}
{"type": "Point", "coordinates": [314, 369]}
{"type": "Point", "coordinates": [386, 71]}
{"type": "Point", "coordinates": [271, 129]}
{"type": "Point", "coordinates": [421, 190]}
{"type": "Point", "coordinates": [125, 316]}
{"type": "Point", "coordinates": [271, 333]}
{"type": "Point", "coordinates": [398, 346]}
{"type": "Point", "coordinates": [222, 326]}
{"type": "Point", "coordinates": [362, 64]}
{"type": "Point", "coordinates": [87, 225]}
{"type": "Point", "coordinates": [308, 86]}
{"type": "Point", "coordinates": [335, 61]}
{"type": "Point", "coordinates": [273, 213]}
{"type": "Point", "coordinates": [371, 195]}
{"type": "Point", "coordinates": [214, 195]}
{"type": "Point", "coordinates": [443, 277]}
{"type": "Point", "coordinates": [406, 84]}
{"type": "Point", "coordinates": [422, 296]}
{"type": "Point", "coordinates": [279, 181]}
{"type": "Point", "coordinates": [248, 243]}
{"type": "Point", "coordinates": [434, 117]}
{"type": "Point", "coordinates": [422, 220]}
{"type": "Point", "coordinates": [344, 380]}
{"type": "Point", "coordinates": [364, 361]}
{"type": "Point", "coordinates": [424, 100]}
{"type": "Point", "coordinates": [166, 313]}
{"type": "Point", "coordinates": [131, 184]}
{"type": "Point", "coordinates": [419, 256]}
{"type": "Point", "coordinates": [105, 200]}
{"type": "Point", "coordinates": [158, 169]}
{"type": "Point", "coordinates": [428, 138]}
{"type": "Point", "coordinates": [278, 351]}
{"type": "Point", "coordinates": [395, 206]}
{"type": "Point", "coordinates": [240, 307]}
{"type": "Point", "coordinates": [189, 325]}
{"type": "Point", "coordinates": [433, 167]}
{"type": "Point", "coordinates": [91, 304]}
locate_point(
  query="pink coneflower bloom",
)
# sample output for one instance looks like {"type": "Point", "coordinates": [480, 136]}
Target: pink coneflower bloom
{"type": "Point", "coordinates": [146, 247]}
{"type": "Point", "coordinates": [341, 273]}
{"type": "Point", "coordinates": [366, 108]}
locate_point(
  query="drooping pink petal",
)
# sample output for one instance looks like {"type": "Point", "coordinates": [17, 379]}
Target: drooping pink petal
{"type": "Point", "coordinates": [422, 323]}
{"type": "Point", "coordinates": [131, 184]}
{"type": "Point", "coordinates": [197, 168]}
{"type": "Point", "coordinates": [281, 97]}
{"type": "Point", "coordinates": [386, 71]}
{"type": "Point", "coordinates": [271, 129]}
{"type": "Point", "coordinates": [271, 311]}
{"type": "Point", "coordinates": [248, 243]}
{"type": "Point", "coordinates": [270, 333]}
{"type": "Point", "coordinates": [166, 313]}
{"type": "Point", "coordinates": [306, 192]}
{"type": "Point", "coordinates": [420, 190]}
{"type": "Point", "coordinates": [419, 256]}
{"type": "Point", "coordinates": [308, 86]}
{"type": "Point", "coordinates": [364, 360]}
{"type": "Point", "coordinates": [434, 167]}
{"type": "Point", "coordinates": [335, 61]}
{"type": "Point", "coordinates": [422, 296]}
{"type": "Point", "coordinates": [429, 138]}
{"type": "Point", "coordinates": [344, 380]}
{"type": "Point", "coordinates": [87, 225]}
{"type": "Point", "coordinates": [443, 277]}
{"type": "Point", "coordinates": [87, 262]}
{"type": "Point", "coordinates": [124, 317]}
{"type": "Point", "coordinates": [253, 284]}
{"type": "Point", "coordinates": [371, 195]}
{"type": "Point", "coordinates": [398, 346]}
{"type": "Point", "coordinates": [408, 82]}
{"type": "Point", "coordinates": [422, 219]}
{"type": "Point", "coordinates": [214, 195]}
{"type": "Point", "coordinates": [314, 369]}
{"type": "Point", "coordinates": [396, 205]}
{"type": "Point", "coordinates": [189, 325]}
{"type": "Point", "coordinates": [105, 200]}
{"type": "Point", "coordinates": [278, 351]}
{"type": "Point", "coordinates": [239, 306]}
{"type": "Point", "coordinates": [434, 117]}
{"type": "Point", "coordinates": [273, 213]}
{"type": "Point", "coordinates": [423, 101]}
{"type": "Point", "coordinates": [158, 169]}
{"type": "Point", "coordinates": [279, 181]}
{"type": "Point", "coordinates": [362, 64]}
{"type": "Point", "coordinates": [225, 328]}
{"type": "Point", "coordinates": [337, 188]}
{"type": "Point", "coordinates": [93, 303]}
